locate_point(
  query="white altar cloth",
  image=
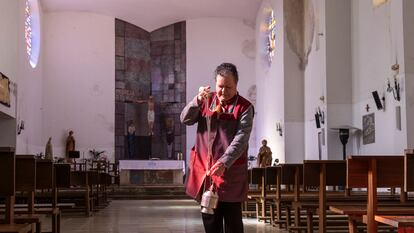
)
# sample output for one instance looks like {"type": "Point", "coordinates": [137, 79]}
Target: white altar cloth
{"type": "Point", "coordinates": [152, 165]}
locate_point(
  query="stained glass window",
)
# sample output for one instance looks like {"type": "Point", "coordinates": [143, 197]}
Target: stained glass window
{"type": "Point", "coordinates": [32, 31]}
{"type": "Point", "coordinates": [271, 37]}
{"type": "Point", "coordinates": [28, 28]}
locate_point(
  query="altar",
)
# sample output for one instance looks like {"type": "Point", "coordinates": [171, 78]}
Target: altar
{"type": "Point", "coordinates": [151, 172]}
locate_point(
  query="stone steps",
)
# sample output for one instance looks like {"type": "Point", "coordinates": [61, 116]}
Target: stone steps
{"type": "Point", "coordinates": [147, 192]}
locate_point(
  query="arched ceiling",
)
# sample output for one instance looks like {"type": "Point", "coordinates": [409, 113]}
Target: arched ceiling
{"type": "Point", "coordinates": [153, 14]}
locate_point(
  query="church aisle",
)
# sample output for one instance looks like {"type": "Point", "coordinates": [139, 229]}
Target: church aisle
{"type": "Point", "coordinates": [148, 216]}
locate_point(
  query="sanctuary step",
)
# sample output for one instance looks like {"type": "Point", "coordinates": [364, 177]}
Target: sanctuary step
{"type": "Point", "coordinates": [153, 192]}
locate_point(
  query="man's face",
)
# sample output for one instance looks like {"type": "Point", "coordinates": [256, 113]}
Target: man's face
{"type": "Point", "coordinates": [226, 87]}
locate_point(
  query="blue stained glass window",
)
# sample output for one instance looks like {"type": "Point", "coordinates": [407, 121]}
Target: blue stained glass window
{"type": "Point", "coordinates": [28, 28]}
{"type": "Point", "coordinates": [32, 31]}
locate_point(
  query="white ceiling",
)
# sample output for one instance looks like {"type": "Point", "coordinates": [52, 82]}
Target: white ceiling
{"type": "Point", "coordinates": [153, 14]}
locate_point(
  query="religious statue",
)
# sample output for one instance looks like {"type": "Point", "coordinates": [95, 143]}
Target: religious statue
{"type": "Point", "coordinates": [170, 137]}
{"type": "Point", "coordinates": [131, 140]}
{"type": "Point", "coordinates": [49, 149]}
{"type": "Point", "coordinates": [264, 158]}
{"type": "Point", "coordinates": [70, 145]}
{"type": "Point", "coordinates": [150, 113]}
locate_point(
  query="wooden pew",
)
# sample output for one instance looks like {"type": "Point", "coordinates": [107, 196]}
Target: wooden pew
{"type": "Point", "coordinates": [323, 173]}
{"type": "Point", "coordinates": [95, 182]}
{"type": "Point", "coordinates": [276, 203]}
{"type": "Point", "coordinates": [287, 175]}
{"type": "Point", "coordinates": [374, 172]}
{"type": "Point", "coordinates": [257, 178]}
{"type": "Point", "coordinates": [292, 174]}
{"type": "Point", "coordinates": [409, 170]}
{"type": "Point", "coordinates": [49, 178]}
{"type": "Point", "coordinates": [403, 223]}
{"type": "Point", "coordinates": [318, 175]}
{"type": "Point", "coordinates": [80, 180]}
{"type": "Point", "coordinates": [45, 179]}
{"type": "Point", "coordinates": [249, 206]}
{"type": "Point", "coordinates": [267, 178]}
{"type": "Point", "coordinates": [99, 179]}
{"type": "Point", "coordinates": [62, 175]}
{"type": "Point", "coordinates": [71, 185]}
{"type": "Point", "coordinates": [87, 188]}
{"type": "Point", "coordinates": [272, 184]}
{"type": "Point", "coordinates": [105, 180]}
{"type": "Point", "coordinates": [33, 175]}
{"type": "Point", "coordinates": [26, 183]}
{"type": "Point", "coordinates": [7, 190]}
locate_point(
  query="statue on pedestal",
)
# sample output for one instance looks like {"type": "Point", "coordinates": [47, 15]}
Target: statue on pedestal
{"type": "Point", "coordinates": [131, 140]}
{"type": "Point", "coordinates": [151, 114]}
{"type": "Point", "coordinates": [49, 149]}
{"type": "Point", "coordinates": [70, 145]}
{"type": "Point", "coordinates": [170, 137]}
{"type": "Point", "coordinates": [264, 158]}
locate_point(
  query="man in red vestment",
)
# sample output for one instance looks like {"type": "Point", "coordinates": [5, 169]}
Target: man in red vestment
{"type": "Point", "coordinates": [224, 122]}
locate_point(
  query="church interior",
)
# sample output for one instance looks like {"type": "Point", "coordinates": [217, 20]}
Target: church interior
{"type": "Point", "coordinates": [92, 94]}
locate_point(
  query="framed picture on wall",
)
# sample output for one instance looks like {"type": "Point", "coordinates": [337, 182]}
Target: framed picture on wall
{"type": "Point", "coordinates": [4, 90]}
{"type": "Point", "coordinates": [368, 129]}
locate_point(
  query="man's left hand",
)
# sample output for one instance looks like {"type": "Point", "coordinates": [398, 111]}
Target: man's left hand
{"type": "Point", "coordinates": [217, 169]}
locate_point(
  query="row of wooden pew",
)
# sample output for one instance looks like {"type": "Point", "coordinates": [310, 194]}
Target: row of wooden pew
{"type": "Point", "coordinates": [29, 187]}
{"type": "Point", "coordinates": [336, 195]}
{"type": "Point", "coordinates": [7, 190]}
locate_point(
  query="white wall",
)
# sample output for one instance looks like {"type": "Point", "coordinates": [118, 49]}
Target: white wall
{"type": "Point", "coordinates": [408, 18]}
{"type": "Point", "coordinates": [29, 92]}
{"type": "Point", "coordinates": [8, 131]}
{"type": "Point", "coordinates": [293, 106]}
{"type": "Point", "coordinates": [371, 39]}
{"type": "Point", "coordinates": [78, 86]}
{"type": "Point", "coordinates": [270, 81]}
{"type": "Point", "coordinates": [357, 46]}
{"type": "Point", "coordinates": [211, 41]}
{"type": "Point", "coordinates": [377, 44]}
{"type": "Point", "coordinates": [9, 23]}
{"type": "Point", "coordinates": [280, 90]}
{"type": "Point", "coordinates": [15, 64]}
{"type": "Point", "coordinates": [338, 74]}
{"type": "Point", "coordinates": [315, 85]}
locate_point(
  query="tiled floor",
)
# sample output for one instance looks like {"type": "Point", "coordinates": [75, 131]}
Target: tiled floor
{"type": "Point", "coordinates": [147, 216]}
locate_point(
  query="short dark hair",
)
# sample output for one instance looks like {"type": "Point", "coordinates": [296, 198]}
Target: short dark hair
{"type": "Point", "coordinates": [225, 70]}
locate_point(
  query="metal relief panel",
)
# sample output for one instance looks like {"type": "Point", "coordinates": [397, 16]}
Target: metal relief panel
{"type": "Point", "coordinates": [368, 129]}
